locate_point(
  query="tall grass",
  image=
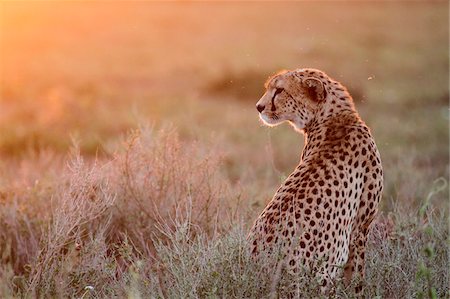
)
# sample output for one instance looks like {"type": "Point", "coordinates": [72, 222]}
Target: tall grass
{"type": "Point", "coordinates": [159, 220]}
{"type": "Point", "coordinates": [93, 208]}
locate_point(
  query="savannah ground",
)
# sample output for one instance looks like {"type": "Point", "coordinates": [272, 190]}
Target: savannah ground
{"type": "Point", "coordinates": [133, 161]}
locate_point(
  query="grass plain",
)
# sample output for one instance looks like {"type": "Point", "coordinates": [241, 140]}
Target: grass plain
{"type": "Point", "coordinates": [133, 161]}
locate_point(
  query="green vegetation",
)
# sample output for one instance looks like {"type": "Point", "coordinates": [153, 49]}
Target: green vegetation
{"type": "Point", "coordinates": [133, 162]}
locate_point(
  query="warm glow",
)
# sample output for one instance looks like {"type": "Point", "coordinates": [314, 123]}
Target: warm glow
{"type": "Point", "coordinates": [133, 161]}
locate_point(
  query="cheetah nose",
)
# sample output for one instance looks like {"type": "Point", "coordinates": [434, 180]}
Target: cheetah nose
{"type": "Point", "coordinates": [260, 108]}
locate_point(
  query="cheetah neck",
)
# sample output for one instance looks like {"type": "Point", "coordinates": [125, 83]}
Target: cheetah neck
{"type": "Point", "coordinates": [330, 121]}
{"type": "Point", "coordinates": [337, 103]}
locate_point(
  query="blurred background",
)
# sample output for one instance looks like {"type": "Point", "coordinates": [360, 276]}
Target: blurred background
{"type": "Point", "coordinates": [89, 72]}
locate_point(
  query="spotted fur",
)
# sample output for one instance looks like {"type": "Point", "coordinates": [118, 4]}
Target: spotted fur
{"type": "Point", "coordinates": [320, 216]}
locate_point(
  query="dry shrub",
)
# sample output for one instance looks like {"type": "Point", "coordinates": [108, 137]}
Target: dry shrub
{"type": "Point", "coordinates": [26, 187]}
{"type": "Point", "coordinates": [19, 234]}
{"type": "Point", "coordinates": [159, 179]}
{"type": "Point", "coordinates": [80, 216]}
{"type": "Point", "coordinates": [104, 217]}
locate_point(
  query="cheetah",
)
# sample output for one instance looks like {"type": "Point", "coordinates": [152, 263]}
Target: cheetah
{"type": "Point", "coordinates": [320, 216]}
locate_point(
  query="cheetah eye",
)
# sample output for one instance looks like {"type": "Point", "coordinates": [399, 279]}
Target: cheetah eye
{"type": "Point", "coordinates": [277, 91]}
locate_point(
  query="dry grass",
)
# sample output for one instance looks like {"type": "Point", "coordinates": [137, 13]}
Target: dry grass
{"type": "Point", "coordinates": [159, 220]}
{"type": "Point", "coordinates": [96, 209]}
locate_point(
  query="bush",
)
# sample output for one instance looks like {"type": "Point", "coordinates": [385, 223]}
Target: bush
{"type": "Point", "coordinates": [105, 215]}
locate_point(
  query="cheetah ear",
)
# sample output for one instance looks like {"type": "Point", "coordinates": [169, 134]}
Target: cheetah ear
{"type": "Point", "coordinates": [315, 88]}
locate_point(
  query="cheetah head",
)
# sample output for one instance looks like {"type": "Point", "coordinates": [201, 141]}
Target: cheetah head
{"type": "Point", "coordinates": [292, 96]}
